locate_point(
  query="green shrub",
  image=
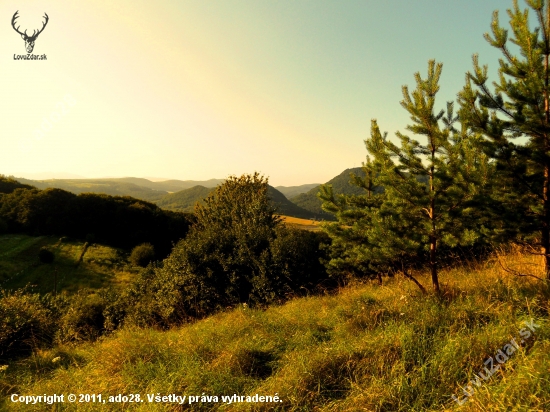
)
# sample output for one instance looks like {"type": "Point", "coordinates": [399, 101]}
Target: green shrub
{"type": "Point", "coordinates": [81, 318]}
{"type": "Point", "coordinates": [45, 255]}
{"type": "Point", "coordinates": [142, 254]}
{"type": "Point", "coordinates": [224, 260]}
{"type": "Point", "coordinates": [26, 323]}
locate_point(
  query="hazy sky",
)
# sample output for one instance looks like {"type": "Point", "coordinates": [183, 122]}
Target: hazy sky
{"type": "Point", "coordinates": [205, 89]}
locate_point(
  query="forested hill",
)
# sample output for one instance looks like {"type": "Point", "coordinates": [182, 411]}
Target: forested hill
{"type": "Point", "coordinates": [291, 191]}
{"type": "Point", "coordinates": [127, 186]}
{"type": "Point", "coordinates": [185, 200]}
{"type": "Point", "coordinates": [286, 207]}
{"type": "Point", "coordinates": [340, 184]}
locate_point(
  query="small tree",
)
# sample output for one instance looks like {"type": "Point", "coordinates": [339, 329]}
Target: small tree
{"type": "Point", "coordinates": [518, 107]}
{"type": "Point", "coordinates": [226, 257]}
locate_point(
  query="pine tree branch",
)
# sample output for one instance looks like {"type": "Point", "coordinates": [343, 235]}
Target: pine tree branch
{"type": "Point", "coordinates": [545, 29]}
{"type": "Point", "coordinates": [515, 272]}
{"type": "Point", "coordinates": [522, 180]}
{"type": "Point", "coordinates": [412, 278]}
{"type": "Point", "coordinates": [497, 104]}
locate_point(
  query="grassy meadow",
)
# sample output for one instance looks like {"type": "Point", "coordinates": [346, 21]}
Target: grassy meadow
{"type": "Point", "coordinates": [367, 347]}
{"type": "Point", "coordinates": [100, 266]}
{"type": "Point", "coordinates": [305, 224]}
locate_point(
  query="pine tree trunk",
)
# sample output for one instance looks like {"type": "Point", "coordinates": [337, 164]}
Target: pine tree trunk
{"type": "Point", "coordinates": [545, 238]}
{"type": "Point", "coordinates": [433, 237]}
{"type": "Point", "coordinates": [433, 254]}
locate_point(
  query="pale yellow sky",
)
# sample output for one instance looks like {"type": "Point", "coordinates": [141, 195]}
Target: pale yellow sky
{"type": "Point", "coordinates": [200, 89]}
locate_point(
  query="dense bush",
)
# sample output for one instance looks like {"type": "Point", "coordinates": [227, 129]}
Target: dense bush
{"type": "Point", "coordinates": [297, 257]}
{"type": "Point", "coordinates": [81, 317]}
{"type": "Point", "coordinates": [29, 321]}
{"type": "Point", "coordinates": [26, 323]}
{"type": "Point", "coordinates": [142, 254]}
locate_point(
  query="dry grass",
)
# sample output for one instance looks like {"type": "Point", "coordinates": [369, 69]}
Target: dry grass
{"type": "Point", "coordinates": [304, 224]}
{"type": "Point", "coordinates": [366, 348]}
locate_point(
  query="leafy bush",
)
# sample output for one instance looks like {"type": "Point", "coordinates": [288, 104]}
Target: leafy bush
{"type": "Point", "coordinates": [26, 323]}
{"type": "Point", "coordinates": [81, 318]}
{"type": "Point", "coordinates": [45, 255]}
{"type": "Point", "coordinates": [142, 254]}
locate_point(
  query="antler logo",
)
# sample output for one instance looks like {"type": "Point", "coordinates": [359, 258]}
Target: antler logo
{"type": "Point", "coordinates": [29, 40]}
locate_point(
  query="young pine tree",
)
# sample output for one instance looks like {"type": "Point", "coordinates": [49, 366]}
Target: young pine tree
{"type": "Point", "coordinates": [519, 107]}
{"type": "Point", "coordinates": [429, 189]}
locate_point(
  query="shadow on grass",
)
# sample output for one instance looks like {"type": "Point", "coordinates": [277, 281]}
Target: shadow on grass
{"type": "Point", "coordinates": [102, 266]}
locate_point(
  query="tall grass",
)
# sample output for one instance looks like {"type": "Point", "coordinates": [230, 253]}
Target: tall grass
{"type": "Point", "coordinates": [365, 348]}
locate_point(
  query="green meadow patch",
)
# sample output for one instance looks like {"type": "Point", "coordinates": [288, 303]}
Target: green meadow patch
{"type": "Point", "coordinates": [76, 265]}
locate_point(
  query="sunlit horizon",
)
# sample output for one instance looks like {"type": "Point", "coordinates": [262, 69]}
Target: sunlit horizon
{"type": "Point", "coordinates": [200, 90]}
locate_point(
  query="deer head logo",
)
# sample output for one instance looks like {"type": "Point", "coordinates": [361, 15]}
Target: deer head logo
{"type": "Point", "coordinates": [29, 40]}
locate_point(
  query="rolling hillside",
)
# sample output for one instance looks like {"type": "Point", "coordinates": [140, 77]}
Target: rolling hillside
{"type": "Point", "coordinates": [181, 195]}
{"type": "Point", "coordinates": [292, 191]}
{"type": "Point", "coordinates": [366, 348]}
{"type": "Point", "coordinates": [112, 187]}
{"type": "Point", "coordinates": [185, 200]}
{"type": "Point", "coordinates": [310, 202]}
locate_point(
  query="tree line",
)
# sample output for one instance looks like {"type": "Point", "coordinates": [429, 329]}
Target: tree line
{"type": "Point", "coordinates": [119, 221]}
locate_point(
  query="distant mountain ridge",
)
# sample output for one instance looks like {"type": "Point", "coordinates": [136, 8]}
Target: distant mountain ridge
{"type": "Point", "coordinates": [292, 191]}
{"type": "Point", "coordinates": [172, 185]}
{"type": "Point", "coordinates": [340, 184]}
{"type": "Point", "coordinates": [177, 195]}
{"type": "Point", "coordinates": [182, 195]}
{"type": "Point", "coordinates": [125, 186]}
